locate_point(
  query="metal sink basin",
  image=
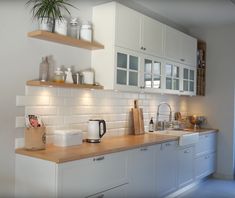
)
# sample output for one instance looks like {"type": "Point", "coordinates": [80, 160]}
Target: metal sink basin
{"type": "Point", "coordinates": [185, 137]}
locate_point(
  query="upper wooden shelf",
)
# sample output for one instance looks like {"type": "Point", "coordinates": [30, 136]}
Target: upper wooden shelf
{"type": "Point", "coordinates": [62, 85]}
{"type": "Point", "coordinates": [66, 40]}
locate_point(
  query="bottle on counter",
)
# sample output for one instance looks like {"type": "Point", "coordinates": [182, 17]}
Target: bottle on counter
{"type": "Point", "coordinates": [151, 125]}
{"type": "Point", "coordinates": [59, 76]}
{"type": "Point", "coordinates": [69, 76]}
{"type": "Point", "coordinates": [44, 70]}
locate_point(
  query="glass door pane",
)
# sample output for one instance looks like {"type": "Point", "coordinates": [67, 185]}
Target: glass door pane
{"type": "Point", "coordinates": [148, 80]}
{"type": "Point", "coordinates": [191, 75]}
{"type": "Point", "coordinates": [176, 84]}
{"type": "Point", "coordinates": [121, 77]}
{"type": "Point", "coordinates": [122, 60]}
{"type": "Point", "coordinates": [168, 70]}
{"type": "Point", "coordinates": [191, 86]}
{"type": "Point", "coordinates": [133, 78]}
{"type": "Point", "coordinates": [168, 83]}
{"type": "Point", "coordinates": [134, 62]}
{"type": "Point", "coordinates": [185, 85]}
{"type": "Point", "coordinates": [147, 66]}
{"type": "Point", "coordinates": [176, 71]}
{"type": "Point", "coordinates": [186, 74]}
{"type": "Point", "coordinates": [156, 68]}
{"type": "Point", "coordinates": [156, 82]}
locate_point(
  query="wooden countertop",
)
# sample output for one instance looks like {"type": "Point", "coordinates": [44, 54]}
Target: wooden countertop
{"type": "Point", "coordinates": [107, 145]}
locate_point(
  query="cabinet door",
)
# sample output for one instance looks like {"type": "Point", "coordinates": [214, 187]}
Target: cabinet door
{"type": "Point", "coordinates": [204, 165]}
{"type": "Point", "coordinates": [173, 44]}
{"type": "Point", "coordinates": [151, 36]}
{"type": "Point", "coordinates": [166, 168]}
{"type": "Point", "coordinates": [127, 70]}
{"type": "Point", "coordinates": [186, 166]}
{"type": "Point", "coordinates": [188, 81]}
{"type": "Point", "coordinates": [141, 172]}
{"type": "Point", "coordinates": [128, 28]}
{"type": "Point", "coordinates": [172, 77]}
{"type": "Point", "coordinates": [93, 175]}
{"type": "Point", "coordinates": [206, 144]}
{"type": "Point", "coordinates": [152, 78]}
{"type": "Point", "coordinates": [189, 50]}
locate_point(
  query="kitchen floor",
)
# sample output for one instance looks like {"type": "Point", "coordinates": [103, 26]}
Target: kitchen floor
{"type": "Point", "coordinates": [212, 188]}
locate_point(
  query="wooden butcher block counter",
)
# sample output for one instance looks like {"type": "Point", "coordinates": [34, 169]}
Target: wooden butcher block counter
{"type": "Point", "coordinates": [107, 145]}
{"type": "Point", "coordinates": [85, 150]}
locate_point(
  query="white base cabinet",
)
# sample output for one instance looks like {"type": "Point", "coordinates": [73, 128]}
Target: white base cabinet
{"type": "Point", "coordinates": [152, 171]}
{"type": "Point", "coordinates": [166, 168]}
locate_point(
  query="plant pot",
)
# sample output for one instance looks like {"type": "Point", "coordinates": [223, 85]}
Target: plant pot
{"type": "Point", "coordinates": [45, 24]}
{"type": "Point", "coordinates": [61, 26]}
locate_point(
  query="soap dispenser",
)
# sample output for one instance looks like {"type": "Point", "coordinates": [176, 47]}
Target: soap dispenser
{"type": "Point", "coordinates": [69, 77]}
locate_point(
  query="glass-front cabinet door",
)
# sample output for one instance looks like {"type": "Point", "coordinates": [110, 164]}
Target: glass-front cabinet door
{"type": "Point", "coordinates": [127, 69]}
{"type": "Point", "coordinates": [172, 77]}
{"type": "Point", "coordinates": [189, 80]}
{"type": "Point", "coordinates": [152, 74]}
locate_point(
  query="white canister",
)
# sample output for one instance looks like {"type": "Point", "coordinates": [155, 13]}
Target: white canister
{"type": "Point", "coordinates": [61, 26]}
{"type": "Point", "coordinates": [86, 32]}
{"type": "Point", "coordinates": [88, 77]}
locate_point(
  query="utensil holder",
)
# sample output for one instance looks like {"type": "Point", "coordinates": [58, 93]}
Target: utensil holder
{"type": "Point", "coordinates": [35, 138]}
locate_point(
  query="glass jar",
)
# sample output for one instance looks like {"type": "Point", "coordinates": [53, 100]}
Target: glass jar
{"type": "Point", "coordinates": [59, 76]}
{"type": "Point", "coordinates": [61, 26]}
{"type": "Point", "coordinates": [86, 31]}
{"type": "Point", "coordinates": [74, 28]}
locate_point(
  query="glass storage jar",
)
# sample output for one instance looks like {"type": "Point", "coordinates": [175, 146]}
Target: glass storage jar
{"type": "Point", "coordinates": [86, 31]}
{"type": "Point", "coordinates": [74, 28]}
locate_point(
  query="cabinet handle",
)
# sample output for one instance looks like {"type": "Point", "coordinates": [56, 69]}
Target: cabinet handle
{"type": "Point", "coordinates": [98, 159]}
{"type": "Point", "coordinates": [182, 59]}
{"type": "Point", "coordinates": [168, 144]}
{"type": "Point", "coordinates": [142, 48]}
{"type": "Point", "coordinates": [144, 149]}
{"type": "Point", "coordinates": [186, 151]}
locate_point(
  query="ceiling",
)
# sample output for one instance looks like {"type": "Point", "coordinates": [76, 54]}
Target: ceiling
{"type": "Point", "coordinates": [187, 13]}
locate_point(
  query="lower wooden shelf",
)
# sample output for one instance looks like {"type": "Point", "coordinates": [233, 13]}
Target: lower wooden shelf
{"type": "Point", "coordinates": [63, 85]}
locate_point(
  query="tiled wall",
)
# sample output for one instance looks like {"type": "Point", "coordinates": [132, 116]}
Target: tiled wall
{"type": "Point", "coordinates": [72, 108]}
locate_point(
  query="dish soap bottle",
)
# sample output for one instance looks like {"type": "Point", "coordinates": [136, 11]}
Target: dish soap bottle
{"type": "Point", "coordinates": [151, 125]}
{"type": "Point", "coordinates": [69, 77]}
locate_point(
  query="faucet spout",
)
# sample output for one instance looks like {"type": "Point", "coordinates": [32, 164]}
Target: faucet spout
{"type": "Point", "coordinates": [158, 109]}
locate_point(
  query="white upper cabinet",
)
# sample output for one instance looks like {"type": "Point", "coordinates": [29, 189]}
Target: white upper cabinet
{"type": "Point", "coordinates": [151, 36]}
{"type": "Point", "coordinates": [127, 28]}
{"type": "Point", "coordinates": [180, 47]}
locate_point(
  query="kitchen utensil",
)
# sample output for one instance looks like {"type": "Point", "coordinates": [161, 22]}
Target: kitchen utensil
{"type": "Point", "coordinates": [138, 120]}
{"type": "Point", "coordinates": [96, 130]}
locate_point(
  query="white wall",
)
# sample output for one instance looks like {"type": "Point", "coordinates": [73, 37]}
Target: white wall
{"type": "Point", "coordinates": [19, 58]}
{"type": "Point", "coordinates": [218, 104]}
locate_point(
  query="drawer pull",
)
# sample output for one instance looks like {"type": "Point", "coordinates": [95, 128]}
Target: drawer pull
{"type": "Point", "coordinates": [186, 151]}
{"type": "Point", "coordinates": [168, 144]}
{"type": "Point", "coordinates": [144, 149]}
{"type": "Point", "coordinates": [98, 158]}
{"type": "Point", "coordinates": [100, 196]}
{"type": "Point", "coordinates": [182, 59]}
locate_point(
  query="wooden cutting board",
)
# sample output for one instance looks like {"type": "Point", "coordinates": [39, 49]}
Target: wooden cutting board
{"type": "Point", "coordinates": [138, 119]}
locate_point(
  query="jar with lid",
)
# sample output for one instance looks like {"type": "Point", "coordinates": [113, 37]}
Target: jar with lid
{"type": "Point", "coordinates": [86, 31]}
{"type": "Point", "coordinates": [59, 76]}
{"type": "Point", "coordinates": [74, 28]}
{"type": "Point", "coordinates": [61, 26]}
{"type": "Point", "coordinates": [44, 70]}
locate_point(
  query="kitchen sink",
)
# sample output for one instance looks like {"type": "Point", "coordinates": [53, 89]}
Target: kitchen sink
{"type": "Point", "coordinates": [185, 137]}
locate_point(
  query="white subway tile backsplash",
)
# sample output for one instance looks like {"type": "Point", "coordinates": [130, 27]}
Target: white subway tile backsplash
{"type": "Point", "coordinates": [20, 122]}
{"type": "Point", "coordinates": [32, 100]}
{"type": "Point", "coordinates": [41, 110]}
{"type": "Point", "coordinates": [72, 108]}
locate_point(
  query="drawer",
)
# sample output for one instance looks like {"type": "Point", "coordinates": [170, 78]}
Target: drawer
{"type": "Point", "coordinates": [93, 175]}
{"type": "Point", "coordinates": [206, 144]}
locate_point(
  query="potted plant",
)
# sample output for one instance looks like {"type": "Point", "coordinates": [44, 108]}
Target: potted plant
{"type": "Point", "coordinates": [48, 11]}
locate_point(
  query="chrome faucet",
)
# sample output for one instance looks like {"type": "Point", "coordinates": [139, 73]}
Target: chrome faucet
{"type": "Point", "coordinates": [170, 115]}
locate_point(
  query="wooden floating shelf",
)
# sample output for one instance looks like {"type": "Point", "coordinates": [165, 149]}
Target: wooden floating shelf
{"type": "Point", "coordinates": [62, 85]}
{"type": "Point", "coordinates": [66, 40]}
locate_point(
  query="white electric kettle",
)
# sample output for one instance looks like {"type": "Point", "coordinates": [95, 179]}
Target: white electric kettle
{"type": "Point", "coordinates": [96, 130]}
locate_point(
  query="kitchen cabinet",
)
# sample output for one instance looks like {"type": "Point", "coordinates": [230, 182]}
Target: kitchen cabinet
{"type": "Point", "coordinates": [152, 74]}
{"type": "Point", "coordinates": [205, 152]}
{"type": "Point", "coordinates": [81, 178]}
{"type": "Point", "coordinates": [141, 172]}
{"type": "Point", "coordinates": [179, 79]}
{"type": "Point", "coordinates": [180, 47]}
{"type": "Point", "coordinates": [185, 166]}
{"type": "Point", "coordinates": [166, 168]}
{"type": "Point", "coordinates": [138, 32]}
